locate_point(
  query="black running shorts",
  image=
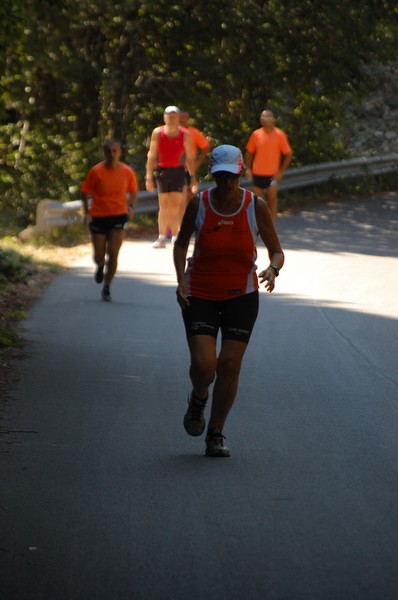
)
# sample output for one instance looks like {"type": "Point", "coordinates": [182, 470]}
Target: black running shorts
{"type": "Point", "coordinates": [262, 181]}
{"type": "Point", "coordinates": [187, 178]}
{"type": "Point", "coordinates": [103, 225]}
{"type": "Point", "coordinates": [235, 317]}
{"type": "Point", "coordinates": [170, 179]}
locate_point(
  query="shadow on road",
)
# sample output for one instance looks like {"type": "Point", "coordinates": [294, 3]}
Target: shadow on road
{"type": "Point", "coordinates": [365, 226]}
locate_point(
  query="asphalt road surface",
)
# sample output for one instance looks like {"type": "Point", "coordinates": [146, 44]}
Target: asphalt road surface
{"type": "Point", "coordinates": [105, 497]}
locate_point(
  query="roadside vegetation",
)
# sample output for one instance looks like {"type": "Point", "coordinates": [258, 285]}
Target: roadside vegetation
{"type": "Point", "coordinates": [24, 272]}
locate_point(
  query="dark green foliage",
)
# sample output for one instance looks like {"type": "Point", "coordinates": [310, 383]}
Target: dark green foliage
{"type": "Point", "coordinates": [14, 267]}
{"type": "Point", "coordinates": [73, 72]}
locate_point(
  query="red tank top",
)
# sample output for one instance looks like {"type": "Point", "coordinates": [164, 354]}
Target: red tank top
{"type": "Point", "coordinates": [223, 264]}
{"type": "Point", "coordinates": [171, 149]}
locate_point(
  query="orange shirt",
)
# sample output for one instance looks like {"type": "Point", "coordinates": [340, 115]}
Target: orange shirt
{"type": "Point", "coordinates": [108, 189]}
{"type": "Point", "coordinates": [223, 265]}
{"type": "Point", "coordinates": [198, 140]}
{"type": "Point", "coordinates": [267, 147]}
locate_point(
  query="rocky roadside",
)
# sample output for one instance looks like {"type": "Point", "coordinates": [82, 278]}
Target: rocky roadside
{"type": "Point", "coordinates": [373, 122]}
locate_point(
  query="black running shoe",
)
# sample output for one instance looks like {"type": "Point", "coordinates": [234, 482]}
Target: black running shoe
{"type": "Point", "coordinates": [106, 294]}
{"type": "Point", "coordinates": [99, 274]}
{"type": "Point", "coordinates": [215, 444]}
{"type": "Point", "coordinates": [194, 421]}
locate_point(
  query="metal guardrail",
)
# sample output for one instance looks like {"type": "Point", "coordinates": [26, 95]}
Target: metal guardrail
{"type": "Point", "coordinates": [51, 214]}
{"type": "Point", "coordinates": [330, 171]}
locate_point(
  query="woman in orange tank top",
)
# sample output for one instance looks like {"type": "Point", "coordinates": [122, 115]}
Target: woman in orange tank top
{"type": "Point", "coordinates": [218, 288]}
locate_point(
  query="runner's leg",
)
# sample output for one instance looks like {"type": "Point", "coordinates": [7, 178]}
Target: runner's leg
{"type": "Point", "coordinates": [203, 363]}
{"type": "Point", "coordinates": [114, 242]}
{"type": "Point", "coordinates": [227, 379]}
{"type": "Point", "coordinates": [272, 198]}
{"type": "Point", "coordinates": [99, 245]}
{"type": "Point", "coordinates": [177, 206]}
{"type": "Point", "coordinates": [258, 191]}
{"type": "Point", "coordinates": [163, 214]}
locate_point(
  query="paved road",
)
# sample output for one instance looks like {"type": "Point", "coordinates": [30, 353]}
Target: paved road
{"type": "Point", "coordinates": [107, 498]}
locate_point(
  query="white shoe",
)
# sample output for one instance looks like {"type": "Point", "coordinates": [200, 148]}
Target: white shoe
{"type": "Point", "coordinates": [159, 243]}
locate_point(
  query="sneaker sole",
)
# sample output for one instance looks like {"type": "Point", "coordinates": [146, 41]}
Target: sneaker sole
{"type": "Point", "coordinates": [187, 423]}
{"type": "Point", "coordinates": [218, 453]}
{"type": "Point", "coordinates": [192, 433]}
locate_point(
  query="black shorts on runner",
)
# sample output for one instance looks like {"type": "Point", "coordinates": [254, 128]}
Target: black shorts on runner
{"type": "Point", "coordinates": [262, 181]}
{"type": "Point", "coordinates": [187, 178]}
{"type": "Point", "coordinates": [234, 317]}
{"type": "Point", "coordinates": [103, 225]}
{"type": "Point", "coordinates": [170, 179]}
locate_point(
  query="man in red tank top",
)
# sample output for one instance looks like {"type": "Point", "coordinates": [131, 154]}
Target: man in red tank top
{"type": "Point", "coordinates": [170, 148]}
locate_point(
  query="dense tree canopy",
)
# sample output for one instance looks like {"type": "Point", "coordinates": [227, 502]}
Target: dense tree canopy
{"type": "Point", "coordinates": [73, 72]}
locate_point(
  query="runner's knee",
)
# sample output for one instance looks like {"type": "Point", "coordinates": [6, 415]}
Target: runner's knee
{"type": "Point", "coordinates": [203, 368]}
{"type": "Point", "coordinates": [229, 366]}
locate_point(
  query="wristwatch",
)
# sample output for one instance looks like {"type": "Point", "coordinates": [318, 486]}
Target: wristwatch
{"type": "Point", "coordinates": [276, 270]}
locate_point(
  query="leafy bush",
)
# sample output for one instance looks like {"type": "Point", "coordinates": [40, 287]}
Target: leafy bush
{"type": "Point", "coordinates": [7, 337]}
{"type": "Point", "coordinates": [14, 267]}
{"type": "Point", "coordinates": [51, 166]}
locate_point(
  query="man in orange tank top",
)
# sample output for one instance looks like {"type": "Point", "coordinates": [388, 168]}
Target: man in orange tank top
{"type": "Point", "coordinates": [268, 154]}
{"type": "Point", "coordinates": [112, 186]}
{"type": "Point", "coordinates": [170, 148]}
{"type": "Point", "coordinates": [200, 149]}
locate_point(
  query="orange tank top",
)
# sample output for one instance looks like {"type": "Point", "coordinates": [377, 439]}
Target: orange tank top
{"type": "Point", "coordinates": [223, 265]}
